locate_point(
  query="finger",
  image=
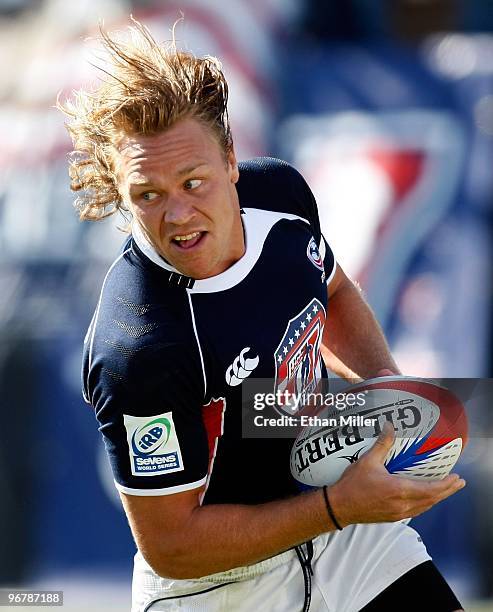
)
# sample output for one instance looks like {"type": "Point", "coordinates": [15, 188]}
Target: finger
{"type": "Point", "coordinates": [435, 489]}
{"type": "Point", "coordinates": [420, 508]}
{"type": "Point", "coordinates": [452, 482]}
{"type": "Point", "coordinates": [452, 479]}
{"type": "Point", "coordinates": [426, 501]}
{"type": "Point", "coordinates": [383, 444]}
{"type": "Point", "coordinates": [455, 485]}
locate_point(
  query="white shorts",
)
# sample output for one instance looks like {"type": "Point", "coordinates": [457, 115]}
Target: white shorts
{"type": "Point", "coordinates": [350, 568]}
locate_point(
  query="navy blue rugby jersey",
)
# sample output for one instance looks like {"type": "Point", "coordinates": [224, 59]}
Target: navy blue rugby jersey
{"type": "Point", "coordinates": [165, 355]}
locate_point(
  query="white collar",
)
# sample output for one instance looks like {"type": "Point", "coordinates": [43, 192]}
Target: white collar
{"type": "Point", "coordinates": [257, 225]}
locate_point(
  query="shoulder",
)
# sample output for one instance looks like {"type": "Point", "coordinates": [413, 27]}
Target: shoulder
{"type": "Point", "coordinates": [136, 362]}
{"type": "Point", "coordinates": [137, 293]}
{"type": "Point", "coordinates": [272, 176]}
{"type": "Point", "coordinates": [141, 334]}
{"type": "Point", "coordinates": [272, 184]}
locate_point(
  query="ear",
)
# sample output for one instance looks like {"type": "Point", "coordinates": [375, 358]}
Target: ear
{"type": "Point", "coordinates": [233, 166]}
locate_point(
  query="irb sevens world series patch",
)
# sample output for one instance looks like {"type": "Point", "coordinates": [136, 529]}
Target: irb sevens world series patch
{"type": "Point", "coordinates": [153, 445]}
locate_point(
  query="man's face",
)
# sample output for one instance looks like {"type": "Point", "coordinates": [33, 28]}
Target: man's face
{"type": "Point", "coordinates": [181, 191]}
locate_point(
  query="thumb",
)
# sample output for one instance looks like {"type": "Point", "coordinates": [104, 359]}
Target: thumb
{"type": "Point", "coordinates": [383, 444]}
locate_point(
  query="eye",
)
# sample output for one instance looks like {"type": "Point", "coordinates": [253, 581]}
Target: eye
{"type": "Point", "coordinates": [192, 184]}
{"type": "Point", "coordinates": [148, 196]}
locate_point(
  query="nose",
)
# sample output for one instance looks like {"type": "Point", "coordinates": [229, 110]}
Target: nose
{"type": "Point", "coordinates": [179, 211]}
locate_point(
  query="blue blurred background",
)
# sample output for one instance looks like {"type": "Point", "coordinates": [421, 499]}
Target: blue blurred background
{"type": "Point", "coordinates": [385, 106]}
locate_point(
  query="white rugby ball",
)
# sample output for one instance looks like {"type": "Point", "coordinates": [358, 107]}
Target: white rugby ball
{"type": "Point", "coordinates": [429, 421]}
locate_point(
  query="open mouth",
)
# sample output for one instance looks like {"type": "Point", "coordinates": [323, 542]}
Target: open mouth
{"type": "Point", "coordinates": [188, 241]}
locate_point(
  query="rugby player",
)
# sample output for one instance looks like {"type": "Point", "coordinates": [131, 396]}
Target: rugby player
{"type": "Point", "coordinates": [225, 275]}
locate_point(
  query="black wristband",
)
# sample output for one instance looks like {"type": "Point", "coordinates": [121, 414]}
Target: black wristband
{"type": "Point", "coordinates": [330, 512]}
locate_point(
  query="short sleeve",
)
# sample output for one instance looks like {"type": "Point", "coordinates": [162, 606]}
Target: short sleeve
{"type": "Point", "coordinates": [150, 417]}
{"type": "Point", "coordinates": [309, 210]}
{"type": "Point", "coordinates": [273, 184]}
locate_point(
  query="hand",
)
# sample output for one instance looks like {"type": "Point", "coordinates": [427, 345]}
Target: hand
{"type": "Point", "coordinates": [367, 493]}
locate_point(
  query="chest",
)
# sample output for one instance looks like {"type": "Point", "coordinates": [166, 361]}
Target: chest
{"type": "Point", "coordinates": [269, 326]}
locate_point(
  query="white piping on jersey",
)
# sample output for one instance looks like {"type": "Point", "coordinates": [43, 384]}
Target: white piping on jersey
{"type": "Point", "coordinates": [86, 340]}
{"type": "Point", "coordinates": [321, 248]}
{"type": "Point", "coordinates": [94, 321]}
{"type": "Point", "coordinates": [331, 275]}
{"type": "Point", "coordinates": [257, 224]}
{"type": "Point", "coordinates": [198, 342]}
{"type": "Point", "coordinates": [167, 491]}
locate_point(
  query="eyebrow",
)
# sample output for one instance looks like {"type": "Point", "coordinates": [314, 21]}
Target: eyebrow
{"type": "Point", "coordinates": [191, 168]}
{"type": "Point", "coordinates": [139, 182]}
{"type": "Point", "coordinates": [144, 182]}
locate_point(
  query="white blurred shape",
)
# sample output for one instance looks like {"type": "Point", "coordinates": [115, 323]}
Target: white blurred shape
{"type": "Point", "coordinates": [356, 189]}
{"type": "Point", "coordinates": [74, 16]}
{"type": "Point", "coordinates": [483, 115]}
{"type": "Point", "coordinates": [456, 56]}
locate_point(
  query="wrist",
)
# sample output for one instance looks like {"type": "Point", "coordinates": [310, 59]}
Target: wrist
{"type": "Point", "coordinates": [338, 504]}
{"type": "Point", "coordinates": [330, 511]}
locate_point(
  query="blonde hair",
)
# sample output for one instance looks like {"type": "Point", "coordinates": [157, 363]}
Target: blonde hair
{"type": "Point", "coordinates": [148, 87]}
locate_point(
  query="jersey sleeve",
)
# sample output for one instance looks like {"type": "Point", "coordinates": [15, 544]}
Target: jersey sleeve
{"type": "Point", "coordinates": [275, 185]}
{"type": "Point", "coordinates": [150, 416]}
{"type": "Point", "coordinates": [307, 204]}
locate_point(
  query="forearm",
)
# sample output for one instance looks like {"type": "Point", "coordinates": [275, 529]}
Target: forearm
{"type": "Point", "coordinates": [354, 344]}
{"type": "Point", "coordinates": [216, 538]}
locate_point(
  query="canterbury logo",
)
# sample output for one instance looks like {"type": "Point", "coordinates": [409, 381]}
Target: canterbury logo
{"type": "Point", "coordinates": [241, 368]}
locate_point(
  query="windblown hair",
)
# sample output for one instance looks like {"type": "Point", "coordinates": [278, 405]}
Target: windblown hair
{"type": "Point", "coordinates": [147, 88]}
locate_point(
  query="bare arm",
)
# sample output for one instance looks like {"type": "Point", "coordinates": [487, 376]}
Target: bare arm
{"type": "Point", "coordinates": [181, 539]}
{"type": "Point", "coordinates": [353, 343]}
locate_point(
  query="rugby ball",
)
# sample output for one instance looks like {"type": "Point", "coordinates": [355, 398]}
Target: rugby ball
{"type": "Point", "coordinates": [429, 421]}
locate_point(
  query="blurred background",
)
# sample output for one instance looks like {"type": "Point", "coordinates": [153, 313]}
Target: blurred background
{"type": "Point", "coordinates": [385, 106]}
